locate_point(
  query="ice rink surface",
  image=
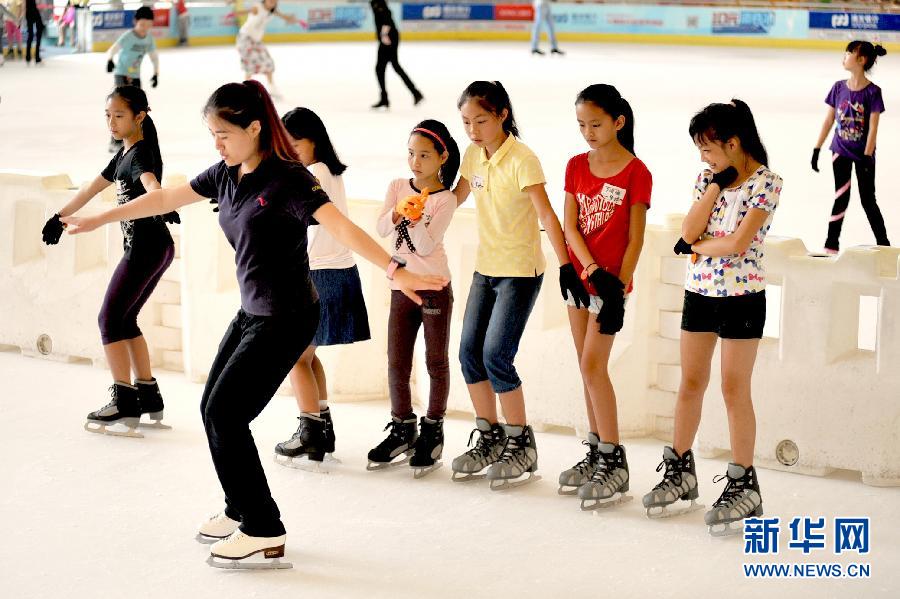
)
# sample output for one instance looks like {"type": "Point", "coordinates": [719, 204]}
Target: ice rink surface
{"type": "Point", "coordinates": [88, 515]}
{"type": "Point", "coordinates": [51, 118]}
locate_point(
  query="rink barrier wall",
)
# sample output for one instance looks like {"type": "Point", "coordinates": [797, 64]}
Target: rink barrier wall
{"type": "Point", "coordinates": [53, 293]}
{"type": "Point", "coordinates": [626, 23]}
{"type": "Point", "coordinates": [821, 401]}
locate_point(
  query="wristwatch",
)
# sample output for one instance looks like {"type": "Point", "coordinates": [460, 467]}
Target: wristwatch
{"type": "Point", "coordinates": [396, 262]}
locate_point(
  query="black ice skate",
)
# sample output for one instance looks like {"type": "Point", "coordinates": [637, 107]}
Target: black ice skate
{"type": "Point", "coordinates": [122, 411]}
{"type": "Point", "coordinates": [399, 441]}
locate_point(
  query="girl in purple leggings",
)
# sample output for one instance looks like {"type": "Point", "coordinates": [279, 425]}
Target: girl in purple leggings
{"type": "Point", "coordinates": [135, 169]}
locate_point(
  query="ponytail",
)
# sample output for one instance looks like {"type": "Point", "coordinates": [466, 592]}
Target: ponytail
{"type": "Point", "coordinates": [242, 103]}
{"type": "Point", "coordinates": [437, 133]}
{"type": "Point", "coordinates": [721, 122]}
{"type": "Point", "coordinates": [868, 51]}
{"type": "Point", "coordinates": [492, 96]}
{"type": "Point", "coordinates": [136, 100]}
{"type": "Point", "coordinates": [303, 123]}
{"type": "Point", "coordinates": [609, 100]}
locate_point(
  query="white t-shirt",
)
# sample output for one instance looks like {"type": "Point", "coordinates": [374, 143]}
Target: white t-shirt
{"type": "Point", "coordinates": [739, 274]}
{"type": "Point", "coordinates": [255, 25]}
{"type": "Point", "coordinates": [324, 250]}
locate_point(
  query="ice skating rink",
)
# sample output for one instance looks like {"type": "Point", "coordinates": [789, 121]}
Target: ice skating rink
{"type": "Point", "coordinates": [89, 515]}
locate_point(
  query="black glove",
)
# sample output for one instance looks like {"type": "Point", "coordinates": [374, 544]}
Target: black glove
{"type": "Point", "coordinates": [725, 178]}
{"type": "Point", "coordinates": [815, 159]}
{"type": "Point", "coordinates": [607, 285]}
{"type": "Point", "coordinates": [215, 205]}
{"type": "Point", "coordinates": [682, 247]}
{"type": "Point", "coordinates": [612, 315]}
{"type": "Point", "coordinates": [154, 81]}
{"type": "Point", "coordinates": [172, 218]}
{"type": "Point", "coordinates": [867, 162]}
{"type": "Point", "coordinates": [110, 66]}
{"type": "Point", "coordinates": [52, 230]}
{"type": "Point", "coordinates": [569, 281]}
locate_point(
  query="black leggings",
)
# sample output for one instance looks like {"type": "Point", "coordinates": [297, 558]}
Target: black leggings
{"type": "Point", "coordinates": [129, 289]}
{"type": "Point", "coordinates": [388, 54]}
{"type": "Point", "coordinates": [255, 356]}
{"type": "Point", "coordinates": [865, 177]}
{"type": "Point", "coordinates": [35, 26]}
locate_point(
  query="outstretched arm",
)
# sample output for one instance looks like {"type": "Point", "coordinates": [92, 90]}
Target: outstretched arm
{"type": "Point", "coordinates": [158, 201]}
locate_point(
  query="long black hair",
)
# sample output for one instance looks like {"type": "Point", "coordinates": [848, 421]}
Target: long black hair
{"type": "Point", "coordinates": [721, 122]}
{"type": "Point", "coordinates": [867, 50]}
{"type": "Point", "coordinates": [136, 100]}
{"type": "Point", "coordinates": [437, 133]}
{"type": "Point", "coordinates": [492, 96]}
{"type": "Point", "coordinates": [303, 123]}
{"type": "Point", "coordinates": [609, 100]}
{"type": "Point", "coordinates": [242, 103]}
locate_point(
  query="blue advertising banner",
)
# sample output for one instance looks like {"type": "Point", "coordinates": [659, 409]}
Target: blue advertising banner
{"type": "Point", "coordinates": [854, 21]}
{"type": "Point", "coordinates": [448, 12]}
{"type": "Point", "coordinates": [112, 19]}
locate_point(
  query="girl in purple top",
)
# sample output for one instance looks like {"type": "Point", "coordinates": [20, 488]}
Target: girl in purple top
{"type": "Point", "coordinates": [266, 200]}
{"type": "Point", "coordinates": [855, 107]}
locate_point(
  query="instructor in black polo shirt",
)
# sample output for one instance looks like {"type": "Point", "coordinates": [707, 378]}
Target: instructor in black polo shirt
{"type": "Point", "coordinates": [266, 200]}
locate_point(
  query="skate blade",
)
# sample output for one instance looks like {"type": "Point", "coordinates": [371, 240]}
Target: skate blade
{"type": "Point", "coordinates": [665, 512]}
{"type": "Point", "coordinates": [107, 429]}
{"type": "Point", "coordinates": [425, 470]}
{"type": "Point", "coordinates": [248, 563]}
{"type": "Point", "coordinates": [465, 477]}
{"type": "Point", "coordinates": [202, 538]}
{"type": "Point", "coordinates": [306, 464]}
{"type": "Point", "coordinates": [157, 424]}
{"type": "Point", "coordinates": [726, 529]}
{"type": "Point", "coordinates": [373, 466]}
{"type": "Point", "coordinates": [600, 504]}
{"type": "Point", "coordinates": [567, 490]}
{"type": "Point", "coordinates": [509, 483]}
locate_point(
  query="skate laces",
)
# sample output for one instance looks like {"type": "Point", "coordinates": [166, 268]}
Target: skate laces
{"type": "Point", "coordinates": [482, 445]}
{"type": "Point", "coordinates": [672, 475]}
{"type": "Point", "coordinates": [604, 469]}
{"type": "Point", "coordinates": [733, 489]}
{"type": "Point", "coordinates": [590, 460]}
{"type": "Point", "coordinates": [112, 402]}
{"type": "Point", "coordinates": [396, 431]}
{"type": "Point", "coordinates": [511, 452]}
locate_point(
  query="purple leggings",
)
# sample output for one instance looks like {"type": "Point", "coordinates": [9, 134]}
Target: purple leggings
{"type": "Point", "coordinates": [129, 289]}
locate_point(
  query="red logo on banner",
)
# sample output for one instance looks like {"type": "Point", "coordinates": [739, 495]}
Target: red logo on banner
{"type": "Point", "coordinates": [514, 12]}
{"type": "Point", "coordinates": [160, 17]}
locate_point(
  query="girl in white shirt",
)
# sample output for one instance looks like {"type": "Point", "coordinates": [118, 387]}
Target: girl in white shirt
{"type": "Point", "coordinates": [255, 58]}
{"type": "Point", "coordinates": [342, 318]}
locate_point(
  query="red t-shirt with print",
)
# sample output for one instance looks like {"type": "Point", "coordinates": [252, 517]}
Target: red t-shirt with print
{"type": "Point", "coordinates": [604, 210]}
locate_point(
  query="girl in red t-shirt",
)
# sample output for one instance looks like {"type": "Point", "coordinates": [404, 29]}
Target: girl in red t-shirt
{"type": "Point", "coordinates": [607, 197]}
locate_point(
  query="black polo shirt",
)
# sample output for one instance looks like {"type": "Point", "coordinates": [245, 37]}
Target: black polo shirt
{"type": "Point", "coordinates": [264, 217]}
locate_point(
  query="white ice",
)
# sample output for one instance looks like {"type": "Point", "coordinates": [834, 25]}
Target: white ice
{"type": "Point", "coordinates": [88, 515]}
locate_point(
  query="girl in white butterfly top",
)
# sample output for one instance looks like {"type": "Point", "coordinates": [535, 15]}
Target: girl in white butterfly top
{"type": "Point", "coordinates": [734, 202]}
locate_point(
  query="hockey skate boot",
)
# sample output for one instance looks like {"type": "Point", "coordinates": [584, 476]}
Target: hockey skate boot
{"type": "Point", "coordinates": [151, 402]}
{"type": "Point", "coordinates": [472, 464]}
{"type": "Point", "coordinates": [580, 473]}
{"type": "Point", "coordinates": [679, 484]}
{"type": "Point", "coordinates": [740, 499]}
{"type": "Point", "coordinates": [609, 483]}
{"type": "Point", "coordinates": [400, 440]}
{"type": "Point", "coordinates": [122, 410]}
{"type": "Point", "coordinates": [518, 463]}
{"type": "Point", "coordinates": [428, 448]}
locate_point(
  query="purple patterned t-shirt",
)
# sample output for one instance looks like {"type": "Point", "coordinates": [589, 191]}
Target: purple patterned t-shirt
{"type": "Point", "coordinates": [852, 111]}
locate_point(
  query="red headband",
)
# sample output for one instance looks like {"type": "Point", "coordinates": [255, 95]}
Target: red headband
{"type": "Point", "coordinates": [432, 134]}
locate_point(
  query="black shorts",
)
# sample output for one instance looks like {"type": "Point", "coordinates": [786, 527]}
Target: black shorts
{"type": "Point", "coordinates": [733, 317]}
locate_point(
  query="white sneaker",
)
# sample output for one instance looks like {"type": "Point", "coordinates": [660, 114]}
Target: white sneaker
{"type": "Point", "coordinates": [217, 528]}
{"type": "Point", "coordinates": [243, 551]}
